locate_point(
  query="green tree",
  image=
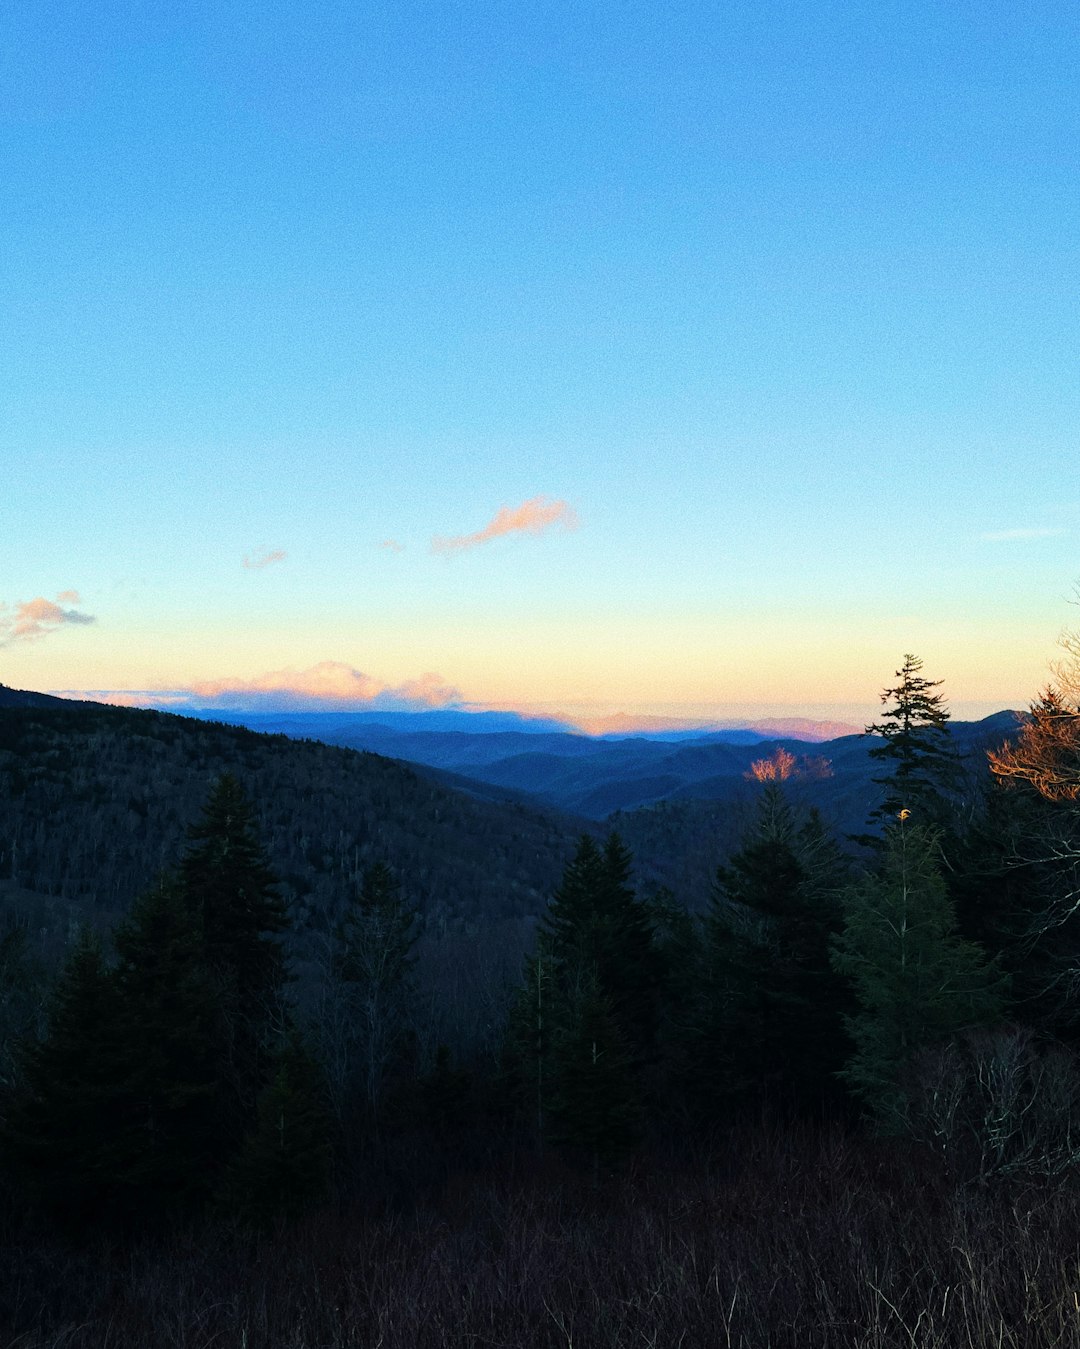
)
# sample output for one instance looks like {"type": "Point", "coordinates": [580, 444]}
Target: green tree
{"type": "Point", "coordinates": [587, 1013]}
{"type": "Point", "coordinates": [923, 767]}
{"type": "Point", "coordinates": [64, 1132]}
{"type": "Point", "coordinates": [171, 1027]}
{"type": "Point", "coordinates": [916, 982]}
{"type": "Point", "coordinates": [284, 1165]}
{"type": "Point", "coordinates": [677, 944]}
{"type": "Point", "coordinates": [227, 883]}
{"type": "Point", "coordinates": [595, 925]}
{"type": "Point", "coordinates": [767, 981]}
{"type": "Point", "coordinates": [534, 1018]}
{"type": "Point", "coordinates": [594, 1107]}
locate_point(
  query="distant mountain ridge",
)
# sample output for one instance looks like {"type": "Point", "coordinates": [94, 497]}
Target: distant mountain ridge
{"type": "Point", "coordinates": [503, 756]}
{"type": "Point", "coordinates": [765, 728]}
{"type": "Point", "coordinates": [592, 776]}
{"type": "Point", "coordinates": [619, 725]}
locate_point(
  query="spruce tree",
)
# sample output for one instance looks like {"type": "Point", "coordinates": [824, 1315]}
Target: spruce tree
{"type": "Point", "coordinates": [284, 1165]}
{"type": "Point", "coordinates": [572, 919]}
{"type": "Point", "coordinates": [230, 889]}
{"type": "Point", "coordinates": [923, 768]}
{"type": "Point", "coordinates": [588, 1012]}
{"type": "Point", "coordinates": [594, 1110]}
{"type": "Point", "coordinates": [64, 1134]}
{"type": "Point", "coordinates": [678, 952]}
{"type": "Point", "coordinates": [915, 981]}
{"type": "Point", "coordinates": [595, 925]}
{"type": "Point", "coordinates": [171, 1024]}
{"type": "Point", "coordinates": [768, 984]}
{"type": "Point", "coordinates": [533, 1021]}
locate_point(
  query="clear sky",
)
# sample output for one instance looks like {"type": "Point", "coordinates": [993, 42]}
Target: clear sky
{"type": "Point", "coordinates": [633, 355]}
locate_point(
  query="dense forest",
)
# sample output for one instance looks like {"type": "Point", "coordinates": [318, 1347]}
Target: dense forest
{"type": "Point", "coordinates": [300, 1048]}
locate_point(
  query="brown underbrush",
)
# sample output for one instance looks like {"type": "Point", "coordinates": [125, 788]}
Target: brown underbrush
{"type": "Point", "coordinates": [797, 1236]}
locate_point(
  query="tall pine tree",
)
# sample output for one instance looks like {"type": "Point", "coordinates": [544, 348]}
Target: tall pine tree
{"type": "Point", "coordinates": [284, 1165]}
{"type": "Point", "coordinates": [171, 1023]}
{"type": "Point", "coordinates": [768, 987]}
{"type": "Point", "coordinates": [916, 981]}
{"type": "Point", "coordinates": [584, 1027]}
{"type": "Point", "coordinates": [922, 766]}
{"type": "Point", "coordinates": [594, 1111]}
{"type": "Point", "coordinates": [595, 925]}
{"type": "Point", "coordinates": [64, 1135]}
{"type": "Point", "coordinates": [228, 884]}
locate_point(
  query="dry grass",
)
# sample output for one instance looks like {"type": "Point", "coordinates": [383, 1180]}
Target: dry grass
{"type": "Point", "coordinates": [799, 1238]}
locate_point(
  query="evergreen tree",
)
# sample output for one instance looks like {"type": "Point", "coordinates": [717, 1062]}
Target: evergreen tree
{"type": "Point", "coordinates": [171, 1026]}
{"type": "Point", "coordinates": [594, 1107]}
{"type": "Point", "coordinates": [915, 981]}
{"type": "Point", "coordinates": [571, 923]}
{"type": "Point", "coordinates": [678, 953]}
{"type": "Point", "coordinates": [923, 767]}
{"type": "Point", "coordinates": [768, 987]}
{"type": "Point", "coordinates": [596, 926]}
{"type": "Point", "coordinates": [534, 1017]}
{"type": "Point", "coordinates": [588, 1009]}
{"type": "Point", "coordinates": [284, 1165]}
{"type": "Point", "coordinates": [721, 1047]}
{"type": "Point", "coordinates": [228, 885]}
{"type": "Point", "coordinates": [64, 1135]}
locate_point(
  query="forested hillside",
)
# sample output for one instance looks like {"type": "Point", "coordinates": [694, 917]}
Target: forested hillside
{"type": "Point", "coordinates": [95, 800]}
{"type": "Point", "coordinates": [302, 993]}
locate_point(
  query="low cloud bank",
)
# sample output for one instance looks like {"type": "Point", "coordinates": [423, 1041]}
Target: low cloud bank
{"type": "Point", "coordinates": [330, 686]}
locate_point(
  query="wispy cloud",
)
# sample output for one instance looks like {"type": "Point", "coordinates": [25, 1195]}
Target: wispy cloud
{"type": "Point", "coordinates": [329, 686]}
{"type": "Point", "coordinates": [264, 558]}
{"type": "Point", "coordinates": [1014, 535]}
{"type": "Point", "coordinates": [30, 620]}
{"type": "Point", "coordinates": [535, 516]}
{"type": "Point", "coordinates": [391, 546]}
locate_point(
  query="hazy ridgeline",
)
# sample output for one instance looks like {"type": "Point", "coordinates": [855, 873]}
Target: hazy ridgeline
{"type": "Point", "coordinates": [297, 1047]}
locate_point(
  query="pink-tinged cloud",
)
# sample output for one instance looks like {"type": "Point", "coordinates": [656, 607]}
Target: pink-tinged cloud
{"type": "Point", "coordinates": [30, 620]}
{"type": "Point", "coordinates": [391, 546]}
{"type": "Point", "coordinates": [266, 558]}
{"type": "Point", "coordinates": [535, 516]}
{"type": "Point", "coordinates": [329, 686]}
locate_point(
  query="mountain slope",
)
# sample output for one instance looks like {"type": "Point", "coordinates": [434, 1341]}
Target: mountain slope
{"type": "Point", "coordinates": [95, 801]}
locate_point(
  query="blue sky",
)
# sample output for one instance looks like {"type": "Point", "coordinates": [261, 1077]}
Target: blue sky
{"type": "Point", "coordinates": [772, 308]}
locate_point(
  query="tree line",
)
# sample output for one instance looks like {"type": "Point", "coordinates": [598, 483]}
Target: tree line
{"type": "Point", "coordinates": [922, 979]}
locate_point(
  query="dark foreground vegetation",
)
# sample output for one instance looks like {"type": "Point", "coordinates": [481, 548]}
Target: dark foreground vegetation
{"type": "Point", "coordinates": [800, 1237]}
{"type": "Point", "coordinates": [833, 1101]}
